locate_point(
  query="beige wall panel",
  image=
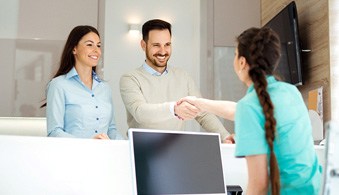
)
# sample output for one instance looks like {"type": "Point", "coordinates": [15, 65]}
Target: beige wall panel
{"type": "Point", "coordinates": [232, 17]}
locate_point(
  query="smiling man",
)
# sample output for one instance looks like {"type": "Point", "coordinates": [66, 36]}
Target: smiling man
{"type": "Point", "coordinates": [151, 91]}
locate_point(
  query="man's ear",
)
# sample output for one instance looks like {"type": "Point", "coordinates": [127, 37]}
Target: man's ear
{"type": "Point", "coordinates": [143, 44]}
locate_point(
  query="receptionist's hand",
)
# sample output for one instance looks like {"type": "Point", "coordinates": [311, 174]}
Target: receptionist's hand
{"type": "Point", "coordinates": [229, 139]}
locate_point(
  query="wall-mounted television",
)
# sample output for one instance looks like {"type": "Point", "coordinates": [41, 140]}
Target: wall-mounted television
{"type": "Point", "coordinates": [285, 23]}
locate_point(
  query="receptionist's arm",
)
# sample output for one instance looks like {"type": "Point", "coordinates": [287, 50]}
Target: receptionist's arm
{"type": "Point", "coordinates": [257, 174]}
{"type": "Point", "coordinates": [224, 109]}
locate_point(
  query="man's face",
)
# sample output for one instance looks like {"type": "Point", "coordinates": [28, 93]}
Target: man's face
{"type": "Point", "coordinates": [158, 49]}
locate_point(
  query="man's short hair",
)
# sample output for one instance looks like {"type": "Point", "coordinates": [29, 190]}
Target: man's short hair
{"type": "Point", "coordinates": [155, 24]}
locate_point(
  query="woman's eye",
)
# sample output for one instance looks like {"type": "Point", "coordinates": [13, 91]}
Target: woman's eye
{"type": "Point", "coordinates": [98, 45]}
{"type": "Point", "coordinates": [90, 45]}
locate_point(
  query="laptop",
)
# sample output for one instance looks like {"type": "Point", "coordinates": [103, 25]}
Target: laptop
{"type": "Point", "coordinates": [176, 162]}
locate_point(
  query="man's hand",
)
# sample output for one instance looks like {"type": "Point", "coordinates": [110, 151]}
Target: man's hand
{"type": "Point", "coordinates": [189, 99]}
{"type": "Point", "coordinates": [185, 110]}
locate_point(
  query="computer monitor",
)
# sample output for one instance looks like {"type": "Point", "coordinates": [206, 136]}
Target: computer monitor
{"type": "Point", "coordinates": [172, 162]}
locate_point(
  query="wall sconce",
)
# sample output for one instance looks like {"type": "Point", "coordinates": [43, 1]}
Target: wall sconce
{"type": "Point", "coordinates": [134, 28]}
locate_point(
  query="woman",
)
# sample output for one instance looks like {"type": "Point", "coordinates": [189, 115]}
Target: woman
{"type": "Point", "coordinates": [272, 125]}
{"type": "Point", "coordinates": [79, 103]}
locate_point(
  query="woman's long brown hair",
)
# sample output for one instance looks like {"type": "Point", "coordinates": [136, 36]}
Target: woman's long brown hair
{"type": "Point", "coordinates": [261, 48]}
{"type": "Point", "coordinates": [67, 60]}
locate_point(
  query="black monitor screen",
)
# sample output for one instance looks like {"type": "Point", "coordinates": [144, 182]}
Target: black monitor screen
{"type": "Point", "coordinates": [285, 23]}
{"type": "Point", "coordinates": [177, 163]}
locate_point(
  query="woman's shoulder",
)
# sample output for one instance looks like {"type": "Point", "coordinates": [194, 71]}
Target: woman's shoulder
{"type": "Point", "coordinates": [285, 87]}
{"type": "Point", "coordinates": [57, 81]}
{"type": "Point", "coordinates": [249, 101]}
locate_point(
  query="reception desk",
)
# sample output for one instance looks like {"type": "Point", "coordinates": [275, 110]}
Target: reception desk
{"type": "Point", "coordinates": [43, 165]}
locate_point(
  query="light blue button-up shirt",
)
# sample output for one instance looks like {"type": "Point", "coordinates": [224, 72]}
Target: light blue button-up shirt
{"type": "Point", "coordinates": [152, 71]}
{"type": "Point", "coordinates": [74, 110]}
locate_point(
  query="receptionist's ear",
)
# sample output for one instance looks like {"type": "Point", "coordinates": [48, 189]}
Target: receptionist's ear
{"type": "Point", "coordinates": [242, 63]}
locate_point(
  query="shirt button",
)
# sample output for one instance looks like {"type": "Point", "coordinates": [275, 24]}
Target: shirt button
{"type": "Point", "coordinates": [96, 106]}
{"type": "Point", "coordinates": [96, 131]}
{"type": "Point", "coordinates": [92, 95]}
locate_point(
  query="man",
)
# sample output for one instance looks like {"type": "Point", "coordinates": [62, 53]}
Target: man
{"type": "Point", "coordinates": [150, 92]}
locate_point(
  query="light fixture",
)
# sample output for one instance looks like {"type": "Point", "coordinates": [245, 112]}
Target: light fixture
{"type": "Point", "coordinates": [134, 28]}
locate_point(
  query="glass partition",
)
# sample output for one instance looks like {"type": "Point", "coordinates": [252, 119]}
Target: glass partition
{"type": "Point", "coordinates": [29, 65]}
{"type": "Point", "coordinates": [226, 82]}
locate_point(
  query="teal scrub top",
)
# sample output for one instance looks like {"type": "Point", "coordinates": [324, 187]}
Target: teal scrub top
{"type": "Point", "coordinates": [300, 172]}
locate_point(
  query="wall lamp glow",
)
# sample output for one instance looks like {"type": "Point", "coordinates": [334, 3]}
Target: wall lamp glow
{"type": "Point", "coordinates": [134, 28]}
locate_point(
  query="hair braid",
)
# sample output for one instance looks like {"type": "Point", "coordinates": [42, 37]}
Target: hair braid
{"type": "Point", "coordinates": [259, 68]}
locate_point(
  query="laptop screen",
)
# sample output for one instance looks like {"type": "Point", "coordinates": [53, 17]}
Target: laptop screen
{"type": "Point", "coordinates": [168, 162]}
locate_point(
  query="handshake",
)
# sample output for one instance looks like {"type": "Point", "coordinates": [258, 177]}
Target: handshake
{"type": "Point", "coordinates": [187, 108]}
{"type": "Point", "coordinates": [190, 107]}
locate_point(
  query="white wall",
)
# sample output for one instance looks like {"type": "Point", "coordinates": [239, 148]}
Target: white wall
{"type": "Point", "coordinates": [334, 58]}
{"type": "Point", "coordinates": [122, 51]}
{"type": "Point", "coordinates": [232, 17]}
{"type": "Point", "coordinates": [8, 17]}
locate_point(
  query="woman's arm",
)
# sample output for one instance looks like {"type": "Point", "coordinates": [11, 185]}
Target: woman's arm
{"type": "Point", "coordinates": [55, 111]}
{"type": "Point", "coordinates": [257, 174]}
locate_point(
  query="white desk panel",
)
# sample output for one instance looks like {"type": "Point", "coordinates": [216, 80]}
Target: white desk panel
{"type": "Point", "coordinates": [44, 165]}
{"type": "Point", "coordinates": [235, 169]}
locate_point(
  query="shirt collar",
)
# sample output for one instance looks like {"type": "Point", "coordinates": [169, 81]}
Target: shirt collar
{"type": "Point", "coordinates": [73, 73]}
{"type": "Point", "coordinates": [152, 71]}
{"type": "Point", "coordinates": [270, 79]}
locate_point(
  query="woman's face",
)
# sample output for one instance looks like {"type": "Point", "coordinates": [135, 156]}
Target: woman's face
{"type": "Point", "coordinates": [88, 50]}
{"type": "Point", "coordinates": [236, 63]}
{"type": "Point", "coordinates": [241, 68]}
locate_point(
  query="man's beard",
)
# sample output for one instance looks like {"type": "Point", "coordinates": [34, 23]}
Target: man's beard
{"type": "Point", "coordinates": [154, 61]}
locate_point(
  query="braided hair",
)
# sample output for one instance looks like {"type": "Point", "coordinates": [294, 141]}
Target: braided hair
{"type": "Point", "coordinates": [261, 49]}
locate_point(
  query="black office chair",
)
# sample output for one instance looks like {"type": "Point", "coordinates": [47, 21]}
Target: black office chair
{"type": "Point", "coordinates": [233, 190]}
